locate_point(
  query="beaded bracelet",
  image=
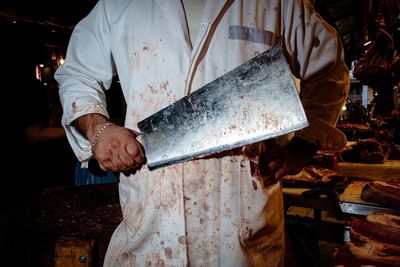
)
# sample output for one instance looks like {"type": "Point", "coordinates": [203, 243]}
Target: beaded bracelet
{"type": "Point", "coordinates": [100, 131]}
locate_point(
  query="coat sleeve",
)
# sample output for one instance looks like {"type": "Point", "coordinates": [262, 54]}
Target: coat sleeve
{"type": "Point", "coordinates": [315, 55]}
{"type": "Point", "coordinates": [86, 74]}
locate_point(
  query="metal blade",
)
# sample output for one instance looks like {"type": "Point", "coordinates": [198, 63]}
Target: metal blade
{"type": "Point", "coordinates": [256, 101]}
{"type": "Point", "coordinates": [363, 209]}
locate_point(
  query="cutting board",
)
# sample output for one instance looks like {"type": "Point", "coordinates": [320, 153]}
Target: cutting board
{"type": "Point", "coordinates": [352, 193]}
{"type": "Point", "coordinates": [351, 202]}
{"type": "Point", "coordinates": [382, 172]}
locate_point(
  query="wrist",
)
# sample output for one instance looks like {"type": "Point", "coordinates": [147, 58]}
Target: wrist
{"type": "Point", "coordinates": [88, 125]}
{"type": "Point", "coordinates": [99, 132]}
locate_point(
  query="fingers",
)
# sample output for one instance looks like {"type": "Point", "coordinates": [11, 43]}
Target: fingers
{"type": "Point", "coordinates": [126, 162]}
{"type": "Point", "coordinates": [135, 151]}
{"type": "Point", "coordinates": [271, 160]}
{"type": "Point", "coordinates": [275, 165]}
{"type": "Point", "coordinates": [273, 169]}
{"type": "Point", "coordinates": [276, 162]}
{"type": "Point", "coordinates": [280, 173]}
{"type": "Point", "coordinates": [129, 158]}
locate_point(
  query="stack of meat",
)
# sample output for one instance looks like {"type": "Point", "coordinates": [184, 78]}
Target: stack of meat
{"type": "Point", "coordinates": [366, 151]}
{"type": "Point", "coordinates": [380, 65]}
{"type": "Point", "coordinates": [385, 193]}
{"type": "Point", "coordinates": [375, 241]}
{"type": "Point", "coordinates": [380, 69]}
{"type": "Point", "coordinates": [313, 176]}
{"type": "Point", "coordinates": [354, 126]}
{"type": "Point", "coordinates": [321, 181]}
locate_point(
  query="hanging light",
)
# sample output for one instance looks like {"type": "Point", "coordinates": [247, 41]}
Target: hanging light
{"type": "Point", "coordinates": [38, 72]}
{"type": "Point", "coordinates": [367, 43]}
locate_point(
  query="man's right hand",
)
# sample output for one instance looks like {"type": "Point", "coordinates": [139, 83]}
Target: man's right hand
{"type": "Point", "coordinates": [116, 148]}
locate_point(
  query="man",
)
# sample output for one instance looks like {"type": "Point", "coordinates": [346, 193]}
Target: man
{"type": "Point", "coordinates": [209, 212]}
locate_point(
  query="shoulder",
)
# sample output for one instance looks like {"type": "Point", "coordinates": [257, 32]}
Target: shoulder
{"type": "Point", "coordinates": [114, 8]}
{"type": "Point", "coordinates": [104, 12]}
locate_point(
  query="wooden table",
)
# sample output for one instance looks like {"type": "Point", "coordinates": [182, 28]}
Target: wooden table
{"type": "Point", "coordinates": [350, 197]}
{"type": "Point", "coordinates": [348, 204]}
{"type": "Point", "coordinates": [51, 228]}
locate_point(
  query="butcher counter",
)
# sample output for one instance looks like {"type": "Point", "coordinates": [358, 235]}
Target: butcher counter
{"type": "Point", "coordinates": [71, 226]}
{"type": "Point", "coordinates": [65, 226]}
{"type": "Point", "coordinates": [348, 203]}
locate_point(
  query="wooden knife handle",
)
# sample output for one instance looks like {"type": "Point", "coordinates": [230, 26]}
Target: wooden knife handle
{"type": "Point", "coordinates": [95, 168]}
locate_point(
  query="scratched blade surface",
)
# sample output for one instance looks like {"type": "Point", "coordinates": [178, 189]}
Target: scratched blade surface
{"type": "Point", "coordinates": [256, 101]}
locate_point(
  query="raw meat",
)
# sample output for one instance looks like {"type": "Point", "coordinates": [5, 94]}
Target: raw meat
{"type": "Point", "coordinates": [385, 193]}
{"type": "Point", "coordinates": [366, 151]}
{"type": "Point", "coordinates": [367, 253]}
{"type": "Point", "coordinates": [375, 241]}
{"type": "Point", "coordinates": [380, 226]}
{"type": "Point", "coordinates": [313, 176]}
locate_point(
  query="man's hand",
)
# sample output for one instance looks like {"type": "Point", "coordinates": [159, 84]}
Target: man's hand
{"type": "Point", "coordinates": [116, 148]}
{"type": "Point", "coordinates": [278, 161]}
{"type": "Point", "coordinates": [271, 162]}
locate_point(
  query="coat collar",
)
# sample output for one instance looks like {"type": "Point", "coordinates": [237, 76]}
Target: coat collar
{"type": "Point", "coordinates": [175, 14]}
{"type": "Point", "coordinates": [214, 8]}
{"type": "Point", "coordinates": [173, 10]}
{"type": "Point", "coordinates": [212, 14]}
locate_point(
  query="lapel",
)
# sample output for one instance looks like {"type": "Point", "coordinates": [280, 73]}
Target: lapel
{"type": "Point", "coordinates": [213, 13]}
{"type": "Point", "coordinates": [173, 10]}
{"type": "Point", "coordinates": [213, 9]}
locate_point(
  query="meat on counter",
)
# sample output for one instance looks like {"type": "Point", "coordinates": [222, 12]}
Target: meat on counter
{"type": "Point", "coordinates": [366, 151]}
{"type": "Point", "coordinates": [375, 241]}
{"type": "Point", "coordinates": [313, 176]}
{"type": "Point", "coordinates": [385, 193]}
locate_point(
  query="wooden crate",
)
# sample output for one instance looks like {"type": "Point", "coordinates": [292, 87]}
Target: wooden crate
{"type": "Point", "coordinates": [74, 252]}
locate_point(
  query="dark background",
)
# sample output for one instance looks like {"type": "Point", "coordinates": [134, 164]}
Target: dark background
{"type": "Point", "coordinates": [50, 22]}
{"type": "Point", "coordinates": [36, 33]}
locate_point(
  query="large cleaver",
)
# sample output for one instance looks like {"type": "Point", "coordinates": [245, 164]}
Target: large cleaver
{"type": "Point", "coordinates": [255, 101]}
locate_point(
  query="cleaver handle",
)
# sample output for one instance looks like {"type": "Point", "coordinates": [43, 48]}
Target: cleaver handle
{"type": "Point", "coordinates": [95, 168]}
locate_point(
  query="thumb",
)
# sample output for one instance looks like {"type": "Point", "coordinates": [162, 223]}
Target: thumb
{"type": "Point", "coordinates": [136, 151]}
{"type": "Point", "coordinates": [133, 149]}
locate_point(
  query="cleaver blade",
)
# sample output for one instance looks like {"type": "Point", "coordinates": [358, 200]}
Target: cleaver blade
{"type": "Point", "coordinates": [256, 101]}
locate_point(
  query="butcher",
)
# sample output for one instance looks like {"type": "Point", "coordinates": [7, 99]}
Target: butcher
{"type": "Point", "coordinates": [206, 212]}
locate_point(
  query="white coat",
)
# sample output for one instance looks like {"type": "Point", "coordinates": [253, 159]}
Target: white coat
{"type": "Point", "coordinates": [204, 212]}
